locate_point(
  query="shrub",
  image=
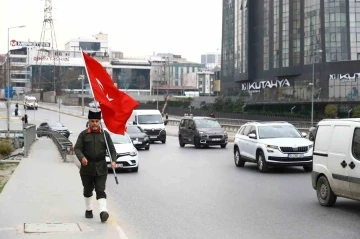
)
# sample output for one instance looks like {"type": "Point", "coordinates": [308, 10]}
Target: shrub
{"type": "Point", "coordinates": [331, 111]}
{"type": "Point", "coordinates": [5, 147]}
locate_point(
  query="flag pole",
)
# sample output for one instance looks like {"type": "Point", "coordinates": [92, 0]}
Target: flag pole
{"type": "Point", "coordinates": [107, 145]}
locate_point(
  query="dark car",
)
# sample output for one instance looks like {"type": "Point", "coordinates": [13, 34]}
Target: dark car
{"type": "Point", "coordinates": [138, 136]}
{"type": "Point", "coordinates": [201, 131]}
{"type": "Point", "coordinates": [312, 133]}
{"type": "Point", "coordinates": [52, 126]}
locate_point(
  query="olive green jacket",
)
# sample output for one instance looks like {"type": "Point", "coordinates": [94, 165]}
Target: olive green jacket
{"type": "Point", "coordinates": [92, 146]}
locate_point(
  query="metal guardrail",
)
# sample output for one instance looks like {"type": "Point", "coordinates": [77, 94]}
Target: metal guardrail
{"type": "Point", "coordinates": [235, 127]}
{"type": "Point", "coordinates": [29, 137]}
{"type": "Point", "coordinates": [64, 145]}
{"type": "Point", "coordinates": [22, 138]}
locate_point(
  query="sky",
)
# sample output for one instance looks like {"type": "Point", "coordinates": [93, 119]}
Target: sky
{"type": "Point", "coordinates": [138, 28]}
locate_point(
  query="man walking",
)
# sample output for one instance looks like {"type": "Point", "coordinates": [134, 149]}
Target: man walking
{"type": "Point", "coordinates": [90, 149]}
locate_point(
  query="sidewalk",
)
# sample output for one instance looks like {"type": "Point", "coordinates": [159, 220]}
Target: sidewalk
{"type": "Point", "coordinates": [43, 191]}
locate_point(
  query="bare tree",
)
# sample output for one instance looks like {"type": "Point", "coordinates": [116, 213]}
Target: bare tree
{"type": "Point", "coordinates": [166, 83]}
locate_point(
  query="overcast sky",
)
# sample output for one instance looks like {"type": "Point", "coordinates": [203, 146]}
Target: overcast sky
{"type": "Point", "coordinates": [135, 27]}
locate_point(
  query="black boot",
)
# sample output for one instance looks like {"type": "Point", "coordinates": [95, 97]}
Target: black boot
{"type": "Point", "coordinates": [104, 216]}
{"type": "Point", "coordinates": [89, 214]}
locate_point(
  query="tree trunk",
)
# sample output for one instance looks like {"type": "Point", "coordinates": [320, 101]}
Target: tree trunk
{"type": "Point", "coordinates": [167, 97]}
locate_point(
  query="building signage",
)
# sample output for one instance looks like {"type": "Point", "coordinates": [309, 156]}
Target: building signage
{"type": "Point", "coordinates": [253, 86]}
{"type": "Point", "coordinates": [25, 43]}
{"type": "Point", "coordinates": [46, 58]}
{"type": "Point", "coordinates": [344, 77]}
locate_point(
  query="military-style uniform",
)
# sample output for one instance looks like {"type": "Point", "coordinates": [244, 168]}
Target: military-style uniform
{"type": "Point", "coordinates": [92, 146]}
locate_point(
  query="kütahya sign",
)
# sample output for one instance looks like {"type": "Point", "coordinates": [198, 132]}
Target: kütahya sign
{"type": "Point", "coordinates": [251, 86]}
{"type": "Point", "coordinates": [344, 77]}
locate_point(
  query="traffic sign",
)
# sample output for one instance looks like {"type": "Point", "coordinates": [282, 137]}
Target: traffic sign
{"type": "Point", "coordinates": [9, 90]}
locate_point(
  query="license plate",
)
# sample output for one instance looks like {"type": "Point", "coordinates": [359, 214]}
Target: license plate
{"type": "Point", "coordinates": [137, 142]}
{"type": "Point", "coordinates": [295, 156]}
{"type": "Point", "coordinates": [153, 137]}
{"type": "Point", "coordinates": [216, 139]}
{"type": "Point", "coordinates": [120, 165]}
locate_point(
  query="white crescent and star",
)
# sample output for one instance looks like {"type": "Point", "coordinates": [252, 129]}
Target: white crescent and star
{"type": "Point", "coordinates": [102, 88]}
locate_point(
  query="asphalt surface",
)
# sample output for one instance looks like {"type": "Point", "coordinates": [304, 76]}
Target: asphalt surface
{"type": "Point", "coordinates": [190, 193]}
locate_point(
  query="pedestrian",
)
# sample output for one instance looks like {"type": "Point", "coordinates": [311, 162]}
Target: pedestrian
{"type": "Point", "coordinates": [17, 106]}
{"type": "Point", "coordinates": [25, 119]}
{"type": "Point", "coordinates": [16, 112]}
{"type": "Point", "coordinates": [90, 149]}
{"type": "Point", "coordinates": [166, 116]}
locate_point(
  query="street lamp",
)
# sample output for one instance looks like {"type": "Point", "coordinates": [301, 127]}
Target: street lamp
{"type": "Point", "coordinates": [82, 78]}
{"type": "Point", "coordinates": [8, 80]}
{"type": "Point", "coordinates": [312, 86]}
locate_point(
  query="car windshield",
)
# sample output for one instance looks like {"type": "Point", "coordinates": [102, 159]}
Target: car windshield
{"type": "Point", "coordinates": [278, 131]}
{"type": "Point", "coordinates": [120, 139]}
{"type": "Point", "coordinates": [150, 119]}
{"type": "Point", "coordinates": [31, 101]}
{"type": "Point", "coordinates": [207, 123]}
{"type": "Point", "coordinates": [55, 124]}
{"type": "Point", "coordinates": [133, 129]}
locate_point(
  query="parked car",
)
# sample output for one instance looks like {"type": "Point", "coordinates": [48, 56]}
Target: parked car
{"type": "Point", "coordinates": [312, 133]}
{"type": "Point", "coordinates": [94, 104]}
{"type": "Point", "coordinates": [336, 171]}
{"type": "Point", "coordinates": [52, 126]}
{"type": "Point", "coordinates": [127, 154]}
{"type": "Point", "coordinates": [138, 136]}
{"type": "Point", "coordinates": [272, 144]}
{"type": "Point", "coordinates": [201, 131]}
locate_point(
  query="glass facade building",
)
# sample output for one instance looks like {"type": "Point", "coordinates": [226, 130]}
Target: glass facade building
{"type": "Point", "coordinates": [272, 50]}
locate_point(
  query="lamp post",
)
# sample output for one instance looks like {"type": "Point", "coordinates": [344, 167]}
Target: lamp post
{"type": "Point", "coordinates": [312, 86]}
{"type": "Point", "coordinates": [82, 78]}
{"type": "Point", "coordinates": [8, 80]}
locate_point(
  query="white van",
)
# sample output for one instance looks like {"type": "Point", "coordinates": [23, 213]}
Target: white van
{"type": "Point", "coordinates": [151, 122]}
{"type": "Point", "coordinates": [336, 160]}
{"type": "Point", "coordinates": [30, 103]}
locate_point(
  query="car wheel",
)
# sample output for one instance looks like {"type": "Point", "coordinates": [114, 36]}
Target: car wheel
{"type": "Point", "coordinates": [324, 193]}
{"type": "Point", "coordinates": [163, 141]}
{"type": "Point", "coordinates": [181, 143]}
{"type": "Point", "coordinates": [223, 146]}
{"type": "Point", "coordinates": [261, 162]}
{"type": "Point", "coordinates": [38, 135]}
{"type": "Point", "coordinates": [147, 147]}
{"type": "Point", "coordinates": [135, 169]}
{"type": "Point", "coordinates": [307, 168]}
{"type": "Point", "coordinates": [239, 162]}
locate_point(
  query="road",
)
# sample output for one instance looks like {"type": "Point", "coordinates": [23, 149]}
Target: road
{"type": "Point", "coordinates": [190, 193]}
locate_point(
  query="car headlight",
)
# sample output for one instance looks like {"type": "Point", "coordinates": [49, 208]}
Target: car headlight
{"type": "Point", "coordinates": [146, 138]}
{"type": "Point", "coordinates": [225, 133]}
{"type": "Point", "coordinates": [272, 147]}
{"type": "Point", "coordinates": [133, 153]}
{"type": "Point", "coordinates": [311, 146]}
{"type": "Point", "coordinates": [200, 132]}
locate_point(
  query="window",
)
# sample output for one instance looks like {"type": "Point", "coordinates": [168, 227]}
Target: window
{"type": "Point", "coordinates": [252, 130]}
{"type": "Point", "coordinates": [120, 139]}
{"type": "Point", "coordinates": [150, 119]}
{"type": "Point", "coordinates": [278, 131]}
{"type": "Point", "coordinates": [182, 123]}
{"type": "Point", "coordinates": [246, 130]}
{"type": "Point", "coordinates": [207, 123]}
{"type": "Point", "coordinates": [356, 144]}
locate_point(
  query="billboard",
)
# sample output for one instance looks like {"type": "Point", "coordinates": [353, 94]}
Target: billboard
{"type": "Point", "coordinates": [25, 43]}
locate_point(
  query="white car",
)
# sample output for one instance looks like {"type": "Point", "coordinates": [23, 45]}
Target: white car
{"type": "Point", "coordinates": [127, 154]}
{"type": "Point", "coordinates": [272, 144]}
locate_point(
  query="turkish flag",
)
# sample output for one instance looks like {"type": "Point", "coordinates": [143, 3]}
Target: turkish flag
{"type": "Point", "coordinates": [116, 106]}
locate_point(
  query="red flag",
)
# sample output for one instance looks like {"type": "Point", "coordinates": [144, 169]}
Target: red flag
{"type": "Point", "coordinates": [116, 106]}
